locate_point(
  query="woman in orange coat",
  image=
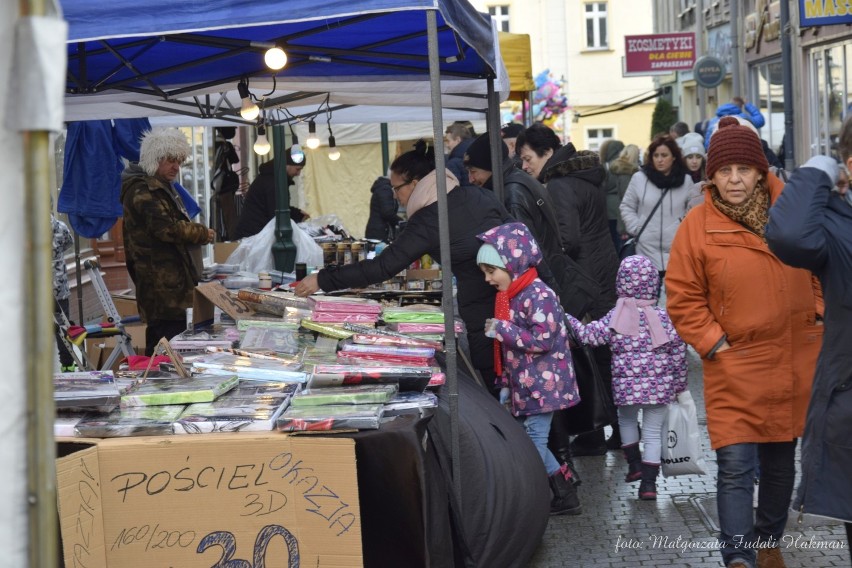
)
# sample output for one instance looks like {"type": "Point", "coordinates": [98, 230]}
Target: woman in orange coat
{"type": "Point", "coordinates": [756, 323]}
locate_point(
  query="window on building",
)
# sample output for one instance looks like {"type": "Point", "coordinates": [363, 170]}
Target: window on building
{"type": "Point", "coordinates": [500, 14]}
{"type": "Point", "coordinates": [766, 84]}
{"type": "Point", "coordinates": [596, 25]}
{"type": "Point", "coordinates": [831, 91]}
{"type": "Point", "coordinates": [596, 136]}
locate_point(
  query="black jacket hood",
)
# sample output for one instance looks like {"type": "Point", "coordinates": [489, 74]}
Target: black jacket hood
{"type": "Point", "coordinates": [567, 161]}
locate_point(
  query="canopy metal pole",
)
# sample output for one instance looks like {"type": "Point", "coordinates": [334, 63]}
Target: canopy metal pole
{"type": "Point", "coordinates": [79, 278]}
{"type": "Point", "coordinates": [492, 119]}
{"type": "Point", "coordinates": [43, 538]}
{"type": "Point", "coordinates": [446, 261]}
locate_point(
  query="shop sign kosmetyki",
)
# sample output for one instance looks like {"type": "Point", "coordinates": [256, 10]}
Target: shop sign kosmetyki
{"type": "Point", "coordinates": [657, 54]}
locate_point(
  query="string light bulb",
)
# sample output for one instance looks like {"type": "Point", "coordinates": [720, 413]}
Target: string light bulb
{"type": "Point", "coordinates": [313, 140]}
{"type": "Point", "coordinates": [296, 153]}
{"type": "Point", "coordinates": [248, 110]}
{"type": "Point", "coordinates": [275, 58]}
{"type": "Point", "coordinates": [261, 145]}
{"type": "Point", "coordinates": [333, 150]}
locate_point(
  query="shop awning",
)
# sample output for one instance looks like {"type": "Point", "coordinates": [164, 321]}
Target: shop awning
{"type": "Point", "coordinates": [515, 50]}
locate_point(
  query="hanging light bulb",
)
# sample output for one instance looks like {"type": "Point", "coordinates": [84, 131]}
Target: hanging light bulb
{"type": "Point", "coordinates": [275, 58]}
{"type": "Point", "coordinates": [313, 140]}
{"type": "Point", "coordinates": [248, 110]}
{"type": "Point", "coordinates": [261, 145]}
{"type": "Point", "coordinates": [296, 153]}
{"type": "Point", "coordinates": [333, 151]}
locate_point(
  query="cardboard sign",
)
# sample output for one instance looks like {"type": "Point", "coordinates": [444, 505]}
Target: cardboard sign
{"type": "Point", "coordinates": [196, 502]}
{"type": "Point", "coordinates": [211, 294]}
{"type": "Point", "coordinates": [164, 347]}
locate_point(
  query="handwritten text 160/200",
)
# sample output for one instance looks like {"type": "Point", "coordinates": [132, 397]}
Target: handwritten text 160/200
{"type": "Point", "coordinates": [222, 540]}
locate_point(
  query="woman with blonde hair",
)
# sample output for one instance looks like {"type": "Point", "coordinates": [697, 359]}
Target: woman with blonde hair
{"type": "Point", "coordinates": [623, 168]}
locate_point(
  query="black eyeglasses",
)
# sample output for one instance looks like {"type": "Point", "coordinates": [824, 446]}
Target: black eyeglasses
{"type": "Point", "coordinates": [396, 188]}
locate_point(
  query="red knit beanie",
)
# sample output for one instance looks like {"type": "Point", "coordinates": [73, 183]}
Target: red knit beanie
{"type": "Point", "coordinates": [733, 143]}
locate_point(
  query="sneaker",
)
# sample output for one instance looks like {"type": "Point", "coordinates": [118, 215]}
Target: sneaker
{"type": "Point", "coordinates": [68, 368]}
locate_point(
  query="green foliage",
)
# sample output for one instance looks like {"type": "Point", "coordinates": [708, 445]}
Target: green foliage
{"type": "Point", "coordinates": [663, 118]}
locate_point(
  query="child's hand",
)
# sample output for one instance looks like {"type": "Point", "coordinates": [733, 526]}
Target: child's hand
{"type": "Point", "coordinates": [505, 393]}
{"type": "Point", "coordinates": [491, 327]}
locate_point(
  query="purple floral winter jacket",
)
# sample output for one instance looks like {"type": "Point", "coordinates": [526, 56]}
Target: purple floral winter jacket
{"type": "Point", "coordinates": [641, 374]}
{"type": "Point", "coordinates": [537, 364]}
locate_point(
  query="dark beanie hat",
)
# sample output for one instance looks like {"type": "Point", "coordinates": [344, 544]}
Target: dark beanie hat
{"type": "Point", "coordinates": [290, 161]}
{"type": "Point", "coordinates": [511, 130]}
{"type": "Point", "coordinates": [733, 143]}
{"type": "Point", "coordinates": [478, 154]}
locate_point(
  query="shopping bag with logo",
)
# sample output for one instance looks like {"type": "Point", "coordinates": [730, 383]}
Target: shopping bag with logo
{"type": "Point", "coordinates": [682, 453]}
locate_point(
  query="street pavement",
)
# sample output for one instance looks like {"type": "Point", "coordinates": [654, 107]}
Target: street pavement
{"type": "Point", "coordinates": [679, 529]}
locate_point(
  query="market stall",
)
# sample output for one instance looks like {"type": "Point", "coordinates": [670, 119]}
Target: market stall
{"type": "Point", "coordinates": [112, 77]}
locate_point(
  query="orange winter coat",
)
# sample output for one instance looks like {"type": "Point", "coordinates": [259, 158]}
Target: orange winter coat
{"type": "Point", "coordinates": [723, 281]}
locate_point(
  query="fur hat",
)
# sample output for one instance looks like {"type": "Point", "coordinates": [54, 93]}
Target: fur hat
{"type": "Point", "coordinates": [488, 255]}
{"type": "Point", "coordinates": [162, 143]}
{"type": "Point", "coordinates": [735, 143]}
{"type": "Point", "coordinates": [691, 143]}
{"type": "Point", "coordinates": [478, 154]}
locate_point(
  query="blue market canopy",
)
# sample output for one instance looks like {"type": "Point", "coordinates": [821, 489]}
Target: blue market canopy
{"type": "Point", "coordinates": [128, 58]}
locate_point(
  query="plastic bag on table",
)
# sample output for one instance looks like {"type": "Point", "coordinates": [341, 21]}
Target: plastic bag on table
{"type": "Point", "coordinates": [254, 253]}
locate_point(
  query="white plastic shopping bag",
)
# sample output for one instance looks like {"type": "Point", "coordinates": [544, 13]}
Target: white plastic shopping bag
{"type": "Point", "coordinates": [682, 453]}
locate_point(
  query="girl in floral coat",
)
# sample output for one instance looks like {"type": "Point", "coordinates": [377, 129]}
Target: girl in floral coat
{"type": "Point", "coordinates": [648, 365]}
{"type": "Point", "coordinates": [531, 353]}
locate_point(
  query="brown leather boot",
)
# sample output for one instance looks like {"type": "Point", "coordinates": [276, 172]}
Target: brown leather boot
{"type": "Point", "coordinates": [770, 558]}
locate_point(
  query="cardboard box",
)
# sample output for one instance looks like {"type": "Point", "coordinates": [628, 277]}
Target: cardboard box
{"type": "Point", "coordinates": [209, 295]}
{"type": "Point", "coordinates": [201, 501]}
{"type": "Point", "coordinates": [422, 274]}
{"type": "Point", "coordinates": [221, 251]}
{"type": "Point", "coordinates": [125, 304]}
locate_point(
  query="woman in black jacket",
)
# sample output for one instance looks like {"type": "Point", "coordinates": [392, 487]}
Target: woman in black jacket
{"type": "Point", "coordinates": [472, 210]}
{"type": "Point", "coordinates": [381, 225]}
{"type": "Point", "coordinates": [573, 181]}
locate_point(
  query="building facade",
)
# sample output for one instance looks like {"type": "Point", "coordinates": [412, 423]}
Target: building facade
{"type": "Point", "coordinates": [747, 36]}
{"type": "Point", "coordinates": [582, 42]}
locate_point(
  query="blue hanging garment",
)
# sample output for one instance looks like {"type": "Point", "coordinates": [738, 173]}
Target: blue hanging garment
{"type": "Point", "coordinates": [128, 136]}
{"type": "Point", "coordinates": [91, 178]}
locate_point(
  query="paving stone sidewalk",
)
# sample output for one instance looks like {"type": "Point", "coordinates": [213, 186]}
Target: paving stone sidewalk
{"type": "Point", "coordinates": [680, 529]}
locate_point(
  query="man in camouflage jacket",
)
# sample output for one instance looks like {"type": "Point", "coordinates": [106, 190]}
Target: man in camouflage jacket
{"type": "Point", "coordinates": [162, 245]}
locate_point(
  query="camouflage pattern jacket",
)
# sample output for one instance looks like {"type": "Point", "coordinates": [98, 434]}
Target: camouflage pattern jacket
{"type": "Point", "coordinates": [158, 243]}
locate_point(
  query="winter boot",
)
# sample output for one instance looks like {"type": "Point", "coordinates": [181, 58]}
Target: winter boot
{"type": "Point", "coordinates": [770, 558]}
{"type": "Point", "coordinates": [559, 443]}
{"type": "Point", "coordinates": [589, 444]}
{"type": "Point", "coordinates": [634, 462]}
{"type": "Point", "coordinates": [565, 500]}
{"type": "Point", "coordinates": [648, 485]}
